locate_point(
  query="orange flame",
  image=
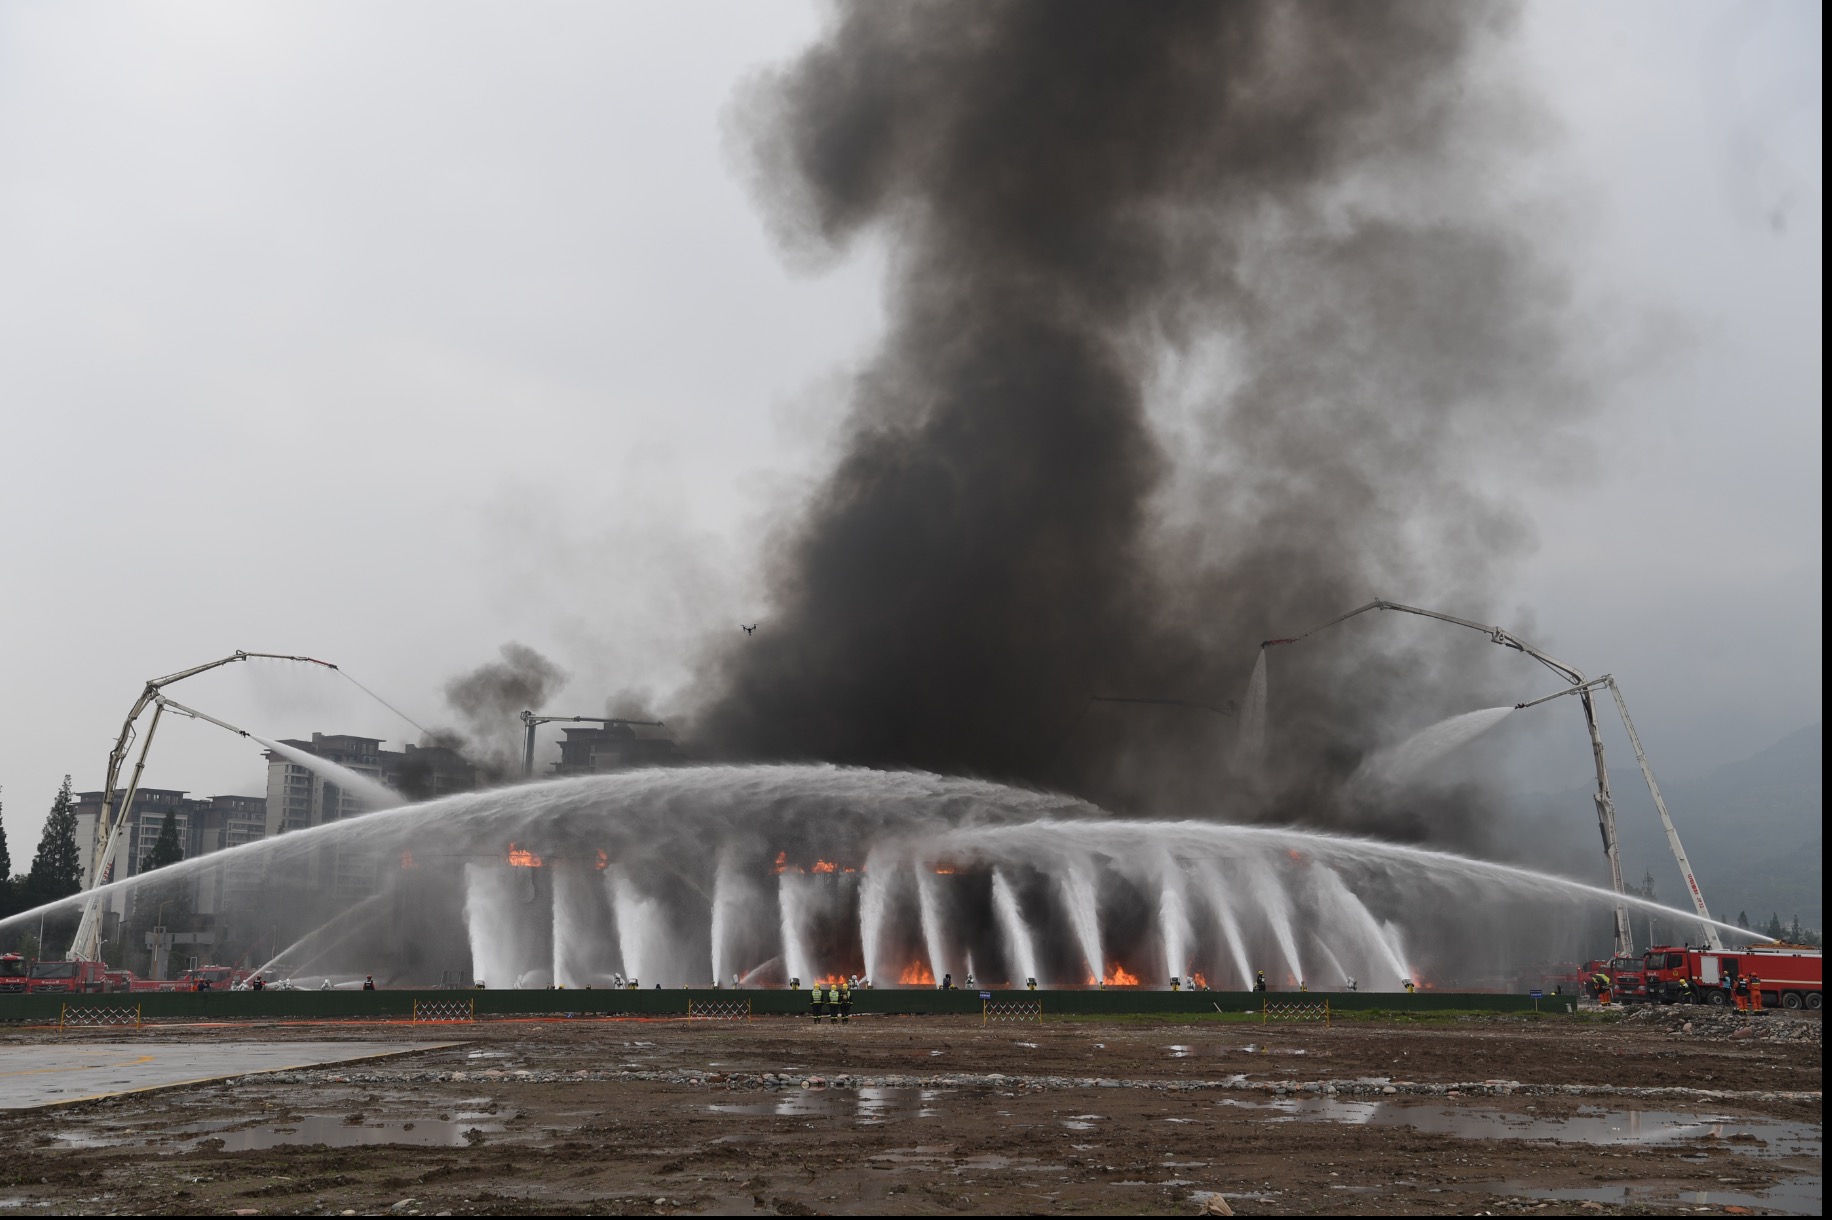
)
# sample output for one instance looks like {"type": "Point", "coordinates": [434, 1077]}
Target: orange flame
{"type": "Point", "coordinates": [782, 862]}
{"type": "Point", "coordinates": [604, 861]}
{"type": "Point", "coordinates": [1294, 853]}
{"type": "Point", "coordinates": [916, 974]}
{"type": "Point", "coordinates": [519, 858]}
{"type": "Point", "coordinates": [1198, 980]}
{"type": "Point", "coordinates": [406, 859]}
{"type": "Point", "coordinates": [944, 872]}
{"type": "Point", "coordinates": [1118, 977]}
{"type": "Point", "coordinates": [824, 866]}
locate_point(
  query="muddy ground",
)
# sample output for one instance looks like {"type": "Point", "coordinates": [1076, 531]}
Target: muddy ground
{"type": "Point", "coordinates": [938, 1115]}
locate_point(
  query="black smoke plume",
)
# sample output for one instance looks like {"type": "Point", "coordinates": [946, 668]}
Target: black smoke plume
{"type": "Point", "coordinates": [1087, 206]}
{"type": "Point", "coordinates": [489, 700]}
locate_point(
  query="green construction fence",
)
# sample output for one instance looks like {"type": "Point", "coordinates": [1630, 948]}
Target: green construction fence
{"type": "Point", "coordinates": [672, 1002]}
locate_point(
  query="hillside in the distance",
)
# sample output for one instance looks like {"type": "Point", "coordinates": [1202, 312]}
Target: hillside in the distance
{"type": "Point", "coordinates": [1752, 830]}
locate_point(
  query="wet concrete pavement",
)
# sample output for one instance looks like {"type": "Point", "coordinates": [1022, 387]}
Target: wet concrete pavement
{"type": "Point", "coordinates": [49, 1074]}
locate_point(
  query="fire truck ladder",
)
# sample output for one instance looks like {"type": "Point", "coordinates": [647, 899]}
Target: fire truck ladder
{"type": "Point", "coordinates": [1712, 940]}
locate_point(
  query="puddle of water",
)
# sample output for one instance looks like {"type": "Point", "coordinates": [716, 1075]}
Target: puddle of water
{"type": "Point", "coordinates": [1794, 1196]}
{"type": "Point", "coordinates": [335, 1133]}
{"type": "Point", "coordinates": [1591, 1124]}
{"type": "Point", "coordinates": [867, 1107]}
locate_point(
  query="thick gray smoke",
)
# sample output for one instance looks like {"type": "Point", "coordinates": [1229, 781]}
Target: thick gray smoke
{"type": "Point", "coordinates": [490, 697]}
{"type": "Point", "coordinates": [1086, 204]}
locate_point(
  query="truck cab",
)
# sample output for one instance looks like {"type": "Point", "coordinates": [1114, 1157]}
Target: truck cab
{"type": "Point", "coordinates": [66, 977]}
{"type": "Point", "coordinates": [1669, 974]}
{"type": "Point", "coordinates": [1630, 979]}
{"type": "Point", "coordinates": [13, 970]}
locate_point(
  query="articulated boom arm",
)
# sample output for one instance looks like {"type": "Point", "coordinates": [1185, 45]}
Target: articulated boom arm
{"type": "Point", "coordinates": [1605, 801]}
{"type": "Point", "coordinates": [87, 946]}
{"type": "Point", "coordinates": [1495, 634]}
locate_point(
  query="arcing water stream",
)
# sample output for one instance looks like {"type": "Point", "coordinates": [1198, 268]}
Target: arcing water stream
{"type": "Point", "coordinates": [686, 876]}
{"type": "Point", "coordinates": [372, 793]}
{"type": "Point", "coordinates": [1399, 764]}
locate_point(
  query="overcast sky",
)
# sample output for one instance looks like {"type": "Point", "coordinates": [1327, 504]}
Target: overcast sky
{"type": "Point", "coordinates": [389, 333]}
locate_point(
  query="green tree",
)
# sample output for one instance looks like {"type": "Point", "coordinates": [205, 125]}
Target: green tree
{"type": "Point", "coordinates": [9, 889]}
{"type": "Point", "coordinates": [1773, 929]}
{"type": "Point", "coordinates": [57, 868]}
{"type": "Point", "coordinates": [166, 849]}
{"type": "Point", "coordinates": [1743, 920]}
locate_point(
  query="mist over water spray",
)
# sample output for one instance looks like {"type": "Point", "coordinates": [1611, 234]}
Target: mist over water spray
{"type": "Point", "coordinates": [929, 909]}
{"type": "Point", "coordinates": [531, 885]}
{"type": "Point", "coordinates": [1020, 951]}
{"type": "Point", "coordinates": [1226, 921]}
{"type": "Point", "coordinates": [874, 907]}
{"type": "Point", "coordinates": [1084, 914]}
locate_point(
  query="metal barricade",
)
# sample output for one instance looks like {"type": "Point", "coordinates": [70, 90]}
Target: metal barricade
{"type": "Point", "coordinates": [1293, 1010]}
{"type": "Point", "coordinates": [444, 1012]}
{"type": "Point", "coordinates": [98, 1016]}
{"type": "Point", "coordinates": [1010, 1010]}
{"type": "Point", "coordinates": [718, 1010]}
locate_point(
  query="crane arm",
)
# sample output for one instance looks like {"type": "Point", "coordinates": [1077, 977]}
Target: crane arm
{"type": "Point", "coordinates": [107, 824]}
{"type": "Point", "coordinates": [125, 741]}
{"type": "Point", "coordinates": [1495, 634]}
{"type": "Point", "coordinates": [194, 714]}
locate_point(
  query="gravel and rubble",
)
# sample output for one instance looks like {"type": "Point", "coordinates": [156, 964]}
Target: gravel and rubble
{"type": "Point", "coordinates": [1704, 1021]}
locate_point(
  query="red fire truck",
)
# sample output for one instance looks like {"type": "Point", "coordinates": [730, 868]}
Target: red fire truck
{"type": "Point", "coordinates": [219, 978]}
{"type": "Point", "coordinates": [1790, 974]}
{"type": "Point", "coordinates": [1627, 977]}
{"type": "Point", "coordinates": [67, 977]}
{"type": "Point", "coordinates": [13, 970]}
